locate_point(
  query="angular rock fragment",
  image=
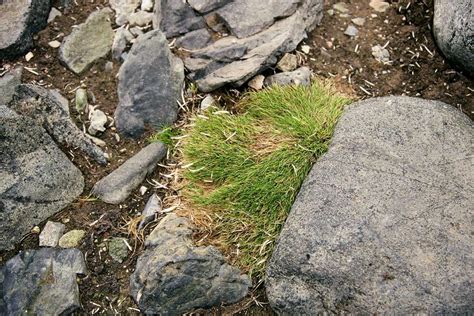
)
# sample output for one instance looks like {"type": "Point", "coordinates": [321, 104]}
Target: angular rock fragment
{"type": "Point", "coordinates": [195, 40]}
{"type": "Point", "coordinates": [118, 185]}
{"type": "Point", "coordinates": [173, 277]}
{"type": "Point", "coordinates": [71, 239]}
{"type": "Point", "coordinates": [8, 84]}
{"type": "Point", "coordinates": [299, 77]}
{"type": "Point", "coordinates": [176, 17]}
{"type": "Point", "coordinates": [288, 62]}
{"type": "Point", "coordinates": [152, 207]}
{"type": "Point", "coordinates": [121, 40]}
{"type": "Point", "coordinates": [205, 6]}
{"type": "Point", "coordinates": [51, 234]}
{"type": "Point", "coordinates": [88, 42]}
{"type": "Point", "coordinates": [45, 109]}
{"type": "Point", "coordinates": [150, 84]}
{"type": "Point", "coordinates": [41, 282]}
{"type": "Point", "coordinates": [37, 178]}
{"type": "Point", "coordinates": [383, 223]}
{"type": "Point", "coordinates": [20, 20]}
{"type": "Point", "coordinates": [123, 9]}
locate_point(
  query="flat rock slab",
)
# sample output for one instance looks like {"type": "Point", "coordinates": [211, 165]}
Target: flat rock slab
{"type": "Point", "coordinates": [41, 282]}
{"type": "Point", "coordinates": [150, 84]}
{"type": "Point", "coordinates": [88, 42]}
{"type": "Point", "coordinates": [118, 185]}
{"type": "Point", "coordinates": [253, 34]}
{"type": "Point", "coordinates": [383, 223]}
{"type": "Point", "coordinates": [38, 180]}
{"type": "Point", "coordinates": [453, 27]}
{"type": "Point", "coordinates": [173, 277]}
{"type": "Point", "coordinates": [20, 21]}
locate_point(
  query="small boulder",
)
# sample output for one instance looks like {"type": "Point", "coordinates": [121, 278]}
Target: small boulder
{"type": "Point", "coordinates": [150, 84]}
{"type": "Point", "coordinates": [453, 28]}
{"type": "Point", "coordinates": [383, 223]}
{"type": "Point", "coordinates": [288, 62]}
{"type": "Point", "coordinates": [20, 21]}
{"type": "Point", "coordinates": [299, 77]}
{"type": "Point", "coordinates": [117, 186]}
{"type": "Point", "coordinates": [173, 277]}
{"type": "Point", "coordinates": [51, 234]}
{"type": "Point", "coordinates": [41, 282]}
{"type": "Point", "coordinates": [88, 42]}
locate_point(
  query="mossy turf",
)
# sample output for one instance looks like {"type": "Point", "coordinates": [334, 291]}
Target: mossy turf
{"type": "Point", "coordinates": [245, 169]}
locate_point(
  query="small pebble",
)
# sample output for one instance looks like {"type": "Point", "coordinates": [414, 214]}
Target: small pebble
{"type": "Point", "coordinates": [54, 44]}
{"type": "Point", "coordinates": [207, 102]}
{"type": "Point", "coordinates": [351, 31]}
{"type": "Point", "coordinates": [29, 56]}
{"type": "Point", "coordinates": [257, 82]}
{"type": "Point", "coordinates": [358, 21]}
{"type": "Point", "coordinates": [305, 49]}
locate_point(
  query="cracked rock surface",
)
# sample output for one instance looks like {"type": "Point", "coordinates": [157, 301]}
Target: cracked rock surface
{"type": "Point", "coordinates": [173, 277]}
{"type": "Point", "coordinates": [383, 223]}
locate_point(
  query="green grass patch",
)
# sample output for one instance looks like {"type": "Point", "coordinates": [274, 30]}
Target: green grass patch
{"type": "Point", "coordinates": [166, 136]}
{"type": "Point", "coordinates": [246, 169]}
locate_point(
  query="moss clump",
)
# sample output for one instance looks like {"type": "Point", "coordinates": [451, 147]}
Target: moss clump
{"type": "Point", "coordinates": [246, 169]}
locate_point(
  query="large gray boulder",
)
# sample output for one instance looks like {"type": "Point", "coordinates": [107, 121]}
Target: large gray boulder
{"type": "Point", "coordinates": [37, 179]}
{"type": "Point", "coordinates": [50, 110]}
{"type": "Point", "coordinates": [41, 282]}
{"type": "Point", "coordinates": [20, 20]}
{"type": "Point", "coordinates": [117, 186]}
{"type": "Point", "coordinates": [383, 223]}
{"type": "Point", "coordinates": [453, 27]}
{"type": "Point", "coordinates": [88, 42]}
{"type": "Point", "coordinates": [173, 277]}
{"type": "Point", "coordinates": [253, 34]}
{"type": "Point", "coordinates": [150, 84]}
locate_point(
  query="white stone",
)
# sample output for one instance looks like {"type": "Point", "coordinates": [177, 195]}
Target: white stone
{"type": "Point", "coordinates": [51, 234]}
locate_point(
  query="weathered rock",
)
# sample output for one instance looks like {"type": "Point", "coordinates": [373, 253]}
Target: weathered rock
{"type": "Point", "coordinates": [288, 62]}
{"type": "Point", "coordinates": [152, 207]}
{"type": "Point", "coordinates": [147, 5]}
{"type": "Point", "coordinates": [150, 84]}
{"type": "Point", "coordinates": [48, 112]}
{"type": "Point", "coordinates": [118, 249]}
{"type": "Point", "coordinates": [205, 6]}
{"type": "Point", "coordinates": [8, 84]}
{"type": "Point", "coordinates": [53, 14]}
{"type": "Point", "coordinates": [41, 282]}
{"type": "Point", "coordinates": [97, 121]}
{"type": "Point", "coordinates": [81, 100]}
{"type": "Point", "coordinates": [379, 5]}
{"type": "Point", "coordinates": [176, 17]}
{"type": "Point", "coordinates": [453, 27]}
{"type": "Point", "coordinates": [207, 102]}
{"type": "Point", "coordinates": [37, 178]}
{"type": "Point", "coordinates": [20, 21]}
{"type": "Point", "coordinates": [299, 77]}
{"type": "Point", "coordinates": [173, 277]}
{"type": "Point", "coordinates": [381, 54]}
{"type": "Point", "coordinates": [195, 40]}
{"type": "Point", "coordinates": [140, 18]}
{"type": "Point", "coordinates": [71, 239]}
{"type": "Point", "coordinates": [383, 223]}
{"type": "Point", "coordinates": [88, 42]}
{"type": "Point", "coordinates": [257, 82]}
{"type": "Point", "coordinates": [351, 31]}
{"type": "Point", "coordinates": [121, 40]}
{"type": "Point", "coordinates": [118, 185]}
{"type": "Point", "coordinates": [123, 9]}
{"type": "Point", "coordinates": [51, 234]}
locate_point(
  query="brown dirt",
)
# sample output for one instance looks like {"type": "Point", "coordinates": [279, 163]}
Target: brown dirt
{"type": "Point", "coordinates": [418, 69]}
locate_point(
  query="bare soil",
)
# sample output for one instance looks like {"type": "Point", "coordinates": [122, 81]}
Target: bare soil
{"type": "Point", "coordinates": [417, 68]}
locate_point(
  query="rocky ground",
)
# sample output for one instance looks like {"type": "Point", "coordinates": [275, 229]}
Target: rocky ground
{"type": "Point", "coordinates": [341, 49]}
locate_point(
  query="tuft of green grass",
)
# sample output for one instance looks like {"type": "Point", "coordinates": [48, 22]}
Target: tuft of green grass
{"type": "Point", "coordinates": [167, 136]}
{"type": "Point", "coordinates": [246, 169]}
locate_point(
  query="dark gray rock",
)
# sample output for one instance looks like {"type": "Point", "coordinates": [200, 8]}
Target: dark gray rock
{"type": "Point", "coordinates": [38, 180]}
{"type": "Point", "coordinates": [453, 27]}
{"type": "Point", "coordinates": [46, 109]}
{"type": "Point", "coordinates": [118, 185]}
{"type": "Point", "coordinates": [205, 6]}
{"type": "Point", "coordinates": [195, 39]}
{"type": "Point", "coordinates": [383, 223]}
{"type": "Point", "coordinates": [41, 282]}
{"type": "Point", "coordinates": [152, 208]}
{"type": "Point", "coordinates": [176, 17]}
{"type": "Point", "coordinates": [150, 84]}
{"type": "Point", "coordinates": [248, 17]}
{"type": "Point", "coordinates": [20, 21]}
{"type": "Point", "coordinates": [299, 77]}
{"type": "Point", "coordinates": [121, 40]}
{"type": "Point", "coordinates": [89, 42]}
{"type": "Point", "coordinates": [8, 84]}
{"type": "Point", "coordinates": [173, 277]}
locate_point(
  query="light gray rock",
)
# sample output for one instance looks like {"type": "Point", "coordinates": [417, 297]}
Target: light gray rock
{"type": "Point", "coordinates": [81, 100]}
{"type": "Point", "coordinates": [140, 18]}
{"type": "Point", "coordinates": [41, 282]}
{"type": "Point", "coordinates": [207, 102]}
{"type": "Point", "coordinates": [176, 17]}
{"type": "Point", "coordinates": [20, 21]}
{"type": "Point", "coordinates": [248, 17]}
{"type": "Point", "coordinates": [53, 14]}
{"type": "Point", "coordinates": [48, 112]}
{"type": "Point", "coordinates": [257, 82]}
{"type": "Point", "coordinates": [118, 185]}
{"type": "Point", "coordinates": [150, 84]}
{"type": "Point", "coordinates": [152, 207]}
{"type": "Point", "coordinates": [123, 9]}
{"type": "Point", "coordinates": [121, 40]}
{"type": "Point", "coordinates": [51, 234]}
{"type": "Point", "coordinates": [383, 223]}
{"type": "Point", "coordinates": [288, 62]}
{"type": "Point", "coordinates": [453, 27]}
{"type": "Point", "coordinates": [351, 31]}
{"type": "Point", "coordinates": [195, 40]}
{"type": "Point", "coordinates": [299, 77]}
{"type": "Point", "coordinates": [205, 6]}
{"type": "Point", "coordinates": [8, 84]}
{"type": "Point", "coordinates": [173, 277]}
{"type": "Point", "coordinates": [118, 249]}
{"type": "Point", "coordinates": [97, 121]}
{"type": "Point", "coordinates": [38, 180]}
{"type": "Point", "coordinates": [88, 42]}
{"type": "Point", "coordinates": [381, 54]}
{"type": "Point", "coordinates": [147, 5]}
